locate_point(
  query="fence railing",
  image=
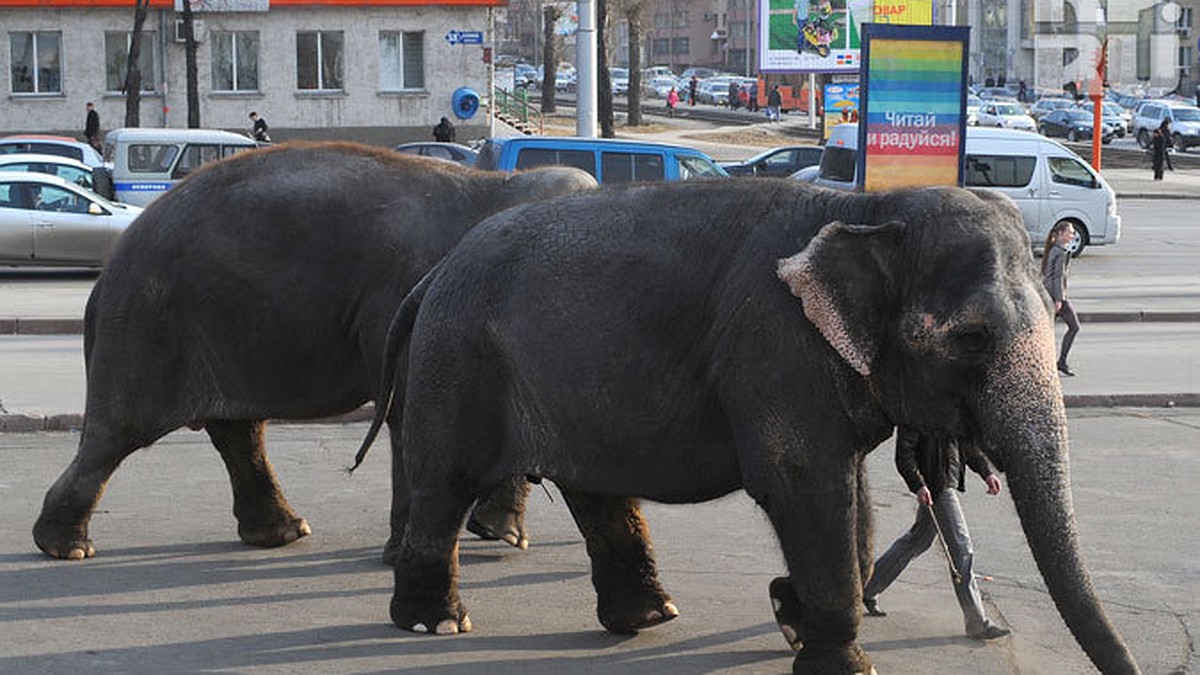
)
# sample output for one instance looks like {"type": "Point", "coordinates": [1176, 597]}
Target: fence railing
{"type": "Point", "coordinates": [516, 110]}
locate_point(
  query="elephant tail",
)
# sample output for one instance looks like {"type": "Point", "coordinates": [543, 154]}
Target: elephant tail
{"type": "Point", "coordinates": [390, 373]}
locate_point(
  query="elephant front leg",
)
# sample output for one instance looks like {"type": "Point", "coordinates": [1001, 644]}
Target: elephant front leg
{"type": "Point", "coordinates": [502, 514]}
{"type": "Point", "coordinates": [629, 597]}
{"type": "Point", "coordinates": [264, 516]}
{"type": "Point", "coordinates": [817, 603]}
{"type": "Point", "coordinates": [61, 530]}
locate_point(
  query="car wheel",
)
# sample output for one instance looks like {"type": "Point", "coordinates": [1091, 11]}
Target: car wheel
{"type": "Point", "coordinates": [1143, 139]}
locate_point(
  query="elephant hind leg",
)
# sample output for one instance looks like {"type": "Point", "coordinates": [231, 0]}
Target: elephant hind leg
{"type": "Point", "coordinates": [425, 599]}
{"type": "Point", "coordinates": [263, 514]}
{"type": "Point", "coordinates": [61, 530]}
{"type": "Point", "coordinates": [628, 594]}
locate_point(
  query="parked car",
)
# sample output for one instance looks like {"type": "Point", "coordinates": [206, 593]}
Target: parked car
{"type": "Point", "coordinates": [609, 160]}
{"type": "Point", "coordinates": [973, 105]}
{"type": "Point", "coordinates": [451, 152]}
{"type": "Point", "coordinates": [657, 71]}
{"type": "Point", "coordinates": [620, 80]}
{"type": "Point", "coordinates": [1072, 124]}
{"type": "Point", "coordinates": [52, 222]}
{"type": "Point", "coordinates": [1185, 123]}
{"type": "Point", "coordinates": [1006, 115]}
{"type": "Point", "coordinates": [713, 91]}
{"type": "Point", "coordinates": [661, 85]}
{"type": "Point", "coordinates": [1116, 117]}
{"type": "Point", "coordinates": [64, 146]}
{"type": "Point", "coordinates": [98, 180]}
{"type": "Point", "coordinates": [524, 75]}
{"type": "Point", "coordinates": [1046, 180]}
{"type": "Point", "coordinates": [781, 161]}
{"type": "Point", "coordinates": [1048, 104]}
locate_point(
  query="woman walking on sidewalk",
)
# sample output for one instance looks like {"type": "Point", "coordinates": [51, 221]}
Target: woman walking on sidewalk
{"type": "Point", "coordinates": [1055, 258]}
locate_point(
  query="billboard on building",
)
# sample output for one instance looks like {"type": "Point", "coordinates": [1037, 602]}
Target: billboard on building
{"type": "Point", "coordinates": [818, 36]}
{"type": "Point", "coordinates": [912, 121]}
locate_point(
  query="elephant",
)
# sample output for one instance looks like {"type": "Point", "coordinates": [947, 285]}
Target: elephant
{"type": "Point", "coordinates": [767, 342]}
{"type": "Point", "coordinates": [261, 287]}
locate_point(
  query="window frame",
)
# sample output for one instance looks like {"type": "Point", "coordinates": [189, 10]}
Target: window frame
{"type": "Point", "coordinates": [149, 79]}
{"type": "Point", "coordinates": [36, 68]}
{"type": "Point", "coordinates": [400, 70]}
{"type": "Point", "coordinates": [237, 64]}
{"type": "Point", "coordinates": [322, 63]}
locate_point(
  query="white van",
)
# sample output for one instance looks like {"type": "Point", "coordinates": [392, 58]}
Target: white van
{"type": "Point", "coordinates": [1047, 181]}
{"type": "Point", "coordinates": [146, 162]}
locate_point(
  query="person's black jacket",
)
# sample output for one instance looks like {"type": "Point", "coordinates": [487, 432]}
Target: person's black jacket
{"type": "Point", "coordinates": [937, 462]}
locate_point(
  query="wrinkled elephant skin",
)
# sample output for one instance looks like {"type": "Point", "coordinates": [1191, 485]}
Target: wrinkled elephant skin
{"type": "Point", "coordinates": [258, 288]}
{"type": "Point", "coordinates": [605, 343]}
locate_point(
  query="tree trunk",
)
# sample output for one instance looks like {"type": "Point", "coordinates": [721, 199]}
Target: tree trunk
{"type": "Point", "coordinates": [133, 74]}
{"type": "Point", "coordinates": [550, 15]}
{"type": "Point", "coordinates": [193, 84]}
{"type": "Point", "coordinates": [633, 14]}
{"type": "Point", "coordinates": [604, 93]}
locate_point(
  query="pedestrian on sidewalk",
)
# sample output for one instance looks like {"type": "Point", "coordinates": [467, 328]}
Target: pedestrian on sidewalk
{"type": "Point", "coordinates": [672, 102]}
{"type": "Point", "coordinates": [91, 127]}
{"type": "Point", "coordinates": [1055, 259]}
{"type": "Point", "coordinates": [443, 132]}
{"type": "Point", "coordinates": [774, 103]}
{"type": "Point", "coordinates": [693, 84]}
{"type": "Point", "coordinates": [933, 466]}
{"type": "Point", "coordinates": [1160, 144]}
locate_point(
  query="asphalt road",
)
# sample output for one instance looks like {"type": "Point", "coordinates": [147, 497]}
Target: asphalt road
{"type": "Point", "coordinates": [172, 590]}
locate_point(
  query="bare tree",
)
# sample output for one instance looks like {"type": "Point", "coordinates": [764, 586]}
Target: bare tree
{"type": "Point", "coordinates": [550, 14]}
{"type": "Point", "coordinates": [133, 73]}
{"type": "Point", "coordinates": [634, 11]}
{"type": "Point", "coordinates": [193, 84]}
{"type": "Point", "coordinates": [604, 94]}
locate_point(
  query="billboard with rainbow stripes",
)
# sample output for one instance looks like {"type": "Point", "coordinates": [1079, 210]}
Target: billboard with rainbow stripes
{"type": "Point", "coordinates": [912, 124]}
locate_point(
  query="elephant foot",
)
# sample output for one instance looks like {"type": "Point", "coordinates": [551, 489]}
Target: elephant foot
{"type": "Point", "coordinates": [787, 610]}
{"type": "Point", "coordinates": [503, 525]}
{"type": "Point", "coordinates": [273, 534]}
{"type": "Point", "coordinates": [630, 618]}
{"type": "Point", "coordinates": [450, 619]}
{"type": "Point", "coordinates": [848, 660]}
{"type": "Point", "coordinates": [62, 542]}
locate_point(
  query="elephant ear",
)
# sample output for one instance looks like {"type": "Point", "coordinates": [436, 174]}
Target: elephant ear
{"type": "Point", "coordinates": [842, 278]}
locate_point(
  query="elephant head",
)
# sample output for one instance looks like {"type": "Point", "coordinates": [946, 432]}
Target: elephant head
{"type": "Point", "coordinates": [945, 317]}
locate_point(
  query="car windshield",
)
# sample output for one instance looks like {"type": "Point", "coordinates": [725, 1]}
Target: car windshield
{"type": "Point", "coordinates": [1009, 110]}
{"type": "Point", "coordinates": [1187, 114]}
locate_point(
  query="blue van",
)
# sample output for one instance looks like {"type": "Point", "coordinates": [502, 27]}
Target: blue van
{"type": "Point", "coordinates": [609, 160]}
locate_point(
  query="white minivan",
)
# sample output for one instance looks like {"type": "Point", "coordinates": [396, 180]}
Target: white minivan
{"type": "Point", "coordinates": [147, 162]}
{"type": "Point", "coordinates": [1047, 181]}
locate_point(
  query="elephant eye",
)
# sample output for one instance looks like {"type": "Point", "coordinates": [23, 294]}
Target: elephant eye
{"type": "Point", "coordinates": [973, 340]}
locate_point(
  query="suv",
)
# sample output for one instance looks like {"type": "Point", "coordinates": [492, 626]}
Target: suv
{"type": "Point", "coordinates": [1185, 123]}
{"type": "Point", "coordinates": [609, 160]}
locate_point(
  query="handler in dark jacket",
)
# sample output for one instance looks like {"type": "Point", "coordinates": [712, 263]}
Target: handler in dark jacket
{"type": "Point", "coordinates": [934, 468]}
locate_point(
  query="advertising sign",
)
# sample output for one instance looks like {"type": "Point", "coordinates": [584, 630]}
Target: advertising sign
{"type": "Point", "coordinates": [912, 12]}
{"type": "Point", "coordinates": [841, 105]}
{"type": "Point", "coordinates": [818, 36]}
{"type": "Point", "coordinates": [912, 128]}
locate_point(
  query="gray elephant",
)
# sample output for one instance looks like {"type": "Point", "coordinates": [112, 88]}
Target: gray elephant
{"type": "Point", "coordinates": [605, 344]}
{"type": "Point", "coordinates": [261, 287]}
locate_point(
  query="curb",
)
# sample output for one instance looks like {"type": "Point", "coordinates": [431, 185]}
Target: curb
{"type": "Point", "coordinates": [26, 423]}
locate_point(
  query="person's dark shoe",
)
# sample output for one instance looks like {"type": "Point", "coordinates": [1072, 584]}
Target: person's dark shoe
{"type": "Point", "coordinates": [872, 606]}
{"type": "Point", "coordinates": [992, 632]}
{"type": "Point", "coordinates": [1062, 368]}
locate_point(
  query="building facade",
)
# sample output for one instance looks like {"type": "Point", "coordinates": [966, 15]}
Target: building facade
{"type": "Point", "coordinates": [378, 71]}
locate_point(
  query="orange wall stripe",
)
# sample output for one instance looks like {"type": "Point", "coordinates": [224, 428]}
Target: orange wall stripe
{"type": "Point", "coordinates": [169, 4]}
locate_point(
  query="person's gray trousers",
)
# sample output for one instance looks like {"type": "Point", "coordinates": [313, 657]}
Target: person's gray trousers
{"type": "Point", "coordinates": [918, 539]}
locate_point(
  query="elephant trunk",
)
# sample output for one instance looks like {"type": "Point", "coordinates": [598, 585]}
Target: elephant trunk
{"type": "Point", "coordinates": [1024, 430]}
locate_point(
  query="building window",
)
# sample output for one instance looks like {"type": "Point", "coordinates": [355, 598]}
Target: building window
{"type": "Point", "coordinates": [36, 62]}
{"type": "Point", "coordinates": [681, 45]}
{"type": "Point", "coordinates": [401, 60]}
{"type": "Point", "coordinates": [1185, 61]}
{"type": "Point", "coordinates": [661, 46]}
{"type": "Point", "coordinates": [235, 60]}
{"type": "Point", "coordinates": [320, 60]}
{"type": "Point", "coordinates": [116, 60]}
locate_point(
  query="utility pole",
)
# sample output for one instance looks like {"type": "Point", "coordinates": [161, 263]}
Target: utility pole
{"type": "Point", "coordinates": [585, 92]}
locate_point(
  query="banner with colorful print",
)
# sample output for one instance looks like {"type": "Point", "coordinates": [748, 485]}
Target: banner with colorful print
{"type": "Point", "coordinates": [913, 12]}
{"type": "Point", "coordinates": [912, 106]}
{"type": "Point", "coordinates": [817, 36]}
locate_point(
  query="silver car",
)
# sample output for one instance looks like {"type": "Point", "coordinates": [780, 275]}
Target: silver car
{"type": "Point", "coordinates": [50, 222]}
{"type": "Point", "coordinates": [98, 180]}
